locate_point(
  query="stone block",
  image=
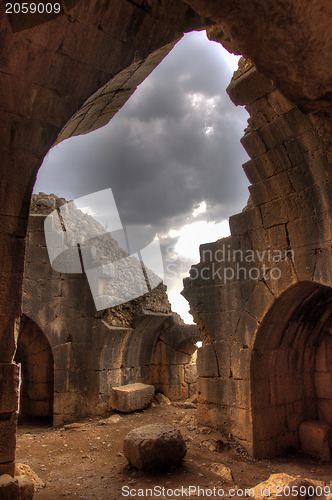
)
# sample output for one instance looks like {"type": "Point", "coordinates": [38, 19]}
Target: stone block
{"type": "Point", "coordinates": [8, 438]}
{"type": "Point", "coordinates": [248, 220]}
{"type": "Point", "coordinates": [224, 392]}
{"type": "Point", "coordinates": [7, 339]}
{"type": "Point", "coordinates": [7, 468]}
{"type": "Point", "coordinates": [296, 412]}
{"type": "Point", "coordinates": [304, 147]}
{"type": "Point", "coordinates": [131, 397]}
{"type": "Point", "coordinates": [36, 408]}
{"type": "Point", "coordinates": [325, 410]}
{"type": "Point", "coordinates": [249, 87]}
{"type": "Point", "coordinates": [270, 189]}
{"type": "Point", "coordinates": [223, 351]}
{"type": "Point", "coordinates": [309, 230]}
{"type": "Point", "coordinates": [241, 424]}
{"type": "Point", "coordinates": [190, 373]}
{"type": "Point", "coordinates": [174, 392]}
{"type": "Point", "coordinates": [154, 446]}
{"type": "Point", "coordinates": [290, 125]}
{"type": "Point", "coordinates": [246, 330]}
{"type": "Point", "coordinates": [218, 326]}
{"type": "Point", "coordinates": [23, 470]}
{"type": "Point", "coordinates": [279, 103]}
{"type": "Point", "coordinates": [260, 301]}
{"type": "Point", "coordinates": [323, 384]}
{"type": "Point", "coordinates": [9, 488]}
{"type": "Point", "coordinates": [26, 487]}
{"type": "Point", "coordinates": [207, 364]}
{"type": "Point", "coordinates": [39, 391]}
{"type": "Point", "coordinates": [66, 403]}
{"type": "Point", "coordinates": [253, 144]}
{"type": "Point", "coordinates": [240, 362]}
{"type": "Point", "coordinates": [167, 374]}
{"type": "Point", "coordinates": [316, 439]}
{"type": "Point", "coordinates": [269, 422]}
{"type": "Point", "coordinates": [9, 373]}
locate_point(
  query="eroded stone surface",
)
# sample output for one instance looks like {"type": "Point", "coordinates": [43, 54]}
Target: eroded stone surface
{"type": "Point", "coordinates": [50, 72]}
{"type": "Point", "coordinates": [154, 446]}
{"type": "Point", "coordinates": [131, 397]}
{"type": "Point", "coordinates": [279, 486]}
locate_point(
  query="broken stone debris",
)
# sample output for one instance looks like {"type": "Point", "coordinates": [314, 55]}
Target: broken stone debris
{"type": "Point", "coordinates": [279, 486]}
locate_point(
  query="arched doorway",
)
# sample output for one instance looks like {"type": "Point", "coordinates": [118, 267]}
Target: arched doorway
{"type": "Point", "coordinates": [173, 361]}
{"type": "Point", "coordinates": [35, 357]}
{"type": "Point", "coordinates": [290, 368]}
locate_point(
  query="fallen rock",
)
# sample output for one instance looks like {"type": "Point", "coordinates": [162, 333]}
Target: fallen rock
{"type": "Point", "coordinates": [26, 487]}
{"type": "Point", "coordinates": [9, 488]}
{"type": "Point", "coordinates": [114, 419]}
{"type": "Point", "coordinates": [192, 399]}
{"type": "Point", "coordinates": [184, 404]}
{"type": "Point", "coordinates": [154, 446]}
{"type": "Point", "coordinates": [201, 429]}
{"type": "Point", "coordinates": [162, 399]}
{"type": "Point", "coordinates": [279, 487]}
{"type": "Point", "coordinates": [25, 470]}
{"type": "Point", "coordinates": [223, 472]}
{"type": "Point", "coordinates": [316, 439]}
{"type": "Point", "coordinates": [16, 488]}
{"type": "Point", "coordinates": [190, 422]}
{"type": "Point", "coordinates": [131, 397]}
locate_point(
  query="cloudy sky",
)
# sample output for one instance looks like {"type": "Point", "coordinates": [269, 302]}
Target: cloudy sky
{"type": "Point", "coordinates": [172, 157]}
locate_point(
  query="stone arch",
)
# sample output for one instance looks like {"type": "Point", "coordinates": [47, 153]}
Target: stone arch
{"type": "Point", "coordinates": [37, 370]}
{"type": "Point", "coordinates": [288, 372]}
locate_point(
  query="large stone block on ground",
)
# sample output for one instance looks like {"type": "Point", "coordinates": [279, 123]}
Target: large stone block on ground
{"type": "Point", "coordinates": [131, 397]}
{"type": "Point", "coordinates": [316, 439]}
{"type": "Point", "coordinates": [154, 446]}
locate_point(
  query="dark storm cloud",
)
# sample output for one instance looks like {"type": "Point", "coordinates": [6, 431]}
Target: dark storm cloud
{"type": "Point", "coordinates": [159, 154]}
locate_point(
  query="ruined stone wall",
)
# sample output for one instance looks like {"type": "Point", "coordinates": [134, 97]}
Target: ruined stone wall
{"type": "Point", "coordinates": [237, 281]}
{"type": "Point", "coordinates": [323, 379]}
{"type": "Point", "coordinates": [93, 351]}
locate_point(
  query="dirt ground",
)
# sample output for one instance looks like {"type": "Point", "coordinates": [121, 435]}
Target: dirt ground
{"type": "Point", "coordinates": [86, 461]}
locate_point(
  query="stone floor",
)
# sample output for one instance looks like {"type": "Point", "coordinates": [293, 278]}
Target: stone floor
{"type": "Point", "coordinates": [85, 461]}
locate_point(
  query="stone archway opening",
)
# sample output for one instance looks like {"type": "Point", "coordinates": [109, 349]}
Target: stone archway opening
{"type": "Point", "coordinates": [291, 369]}
{"type": "Point", "coordinates": [35, 357]}
{"type": "Point", "coordinates": [173, 362]}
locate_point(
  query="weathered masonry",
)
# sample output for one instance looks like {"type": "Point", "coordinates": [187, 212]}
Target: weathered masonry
{"type": "Point", "coordinates": [262, 297]}
{"type": "Point", "coordinates": [69, 74]}
{"type": "Point", "coordinates": [71, 355]}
